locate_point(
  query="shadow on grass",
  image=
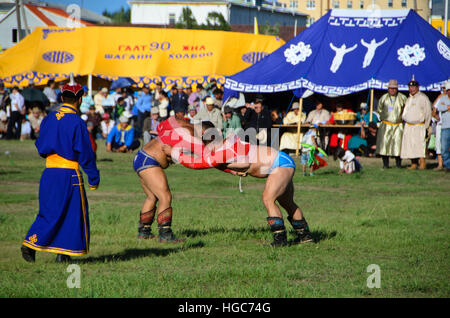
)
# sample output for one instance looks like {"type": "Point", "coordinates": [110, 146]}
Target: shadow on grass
{"type": "Point", "coordinates": [129, 254]}
{"type": "Point", "coordinates": [5, 172]}
{"type": "Point", "coordinates": [317, 235]}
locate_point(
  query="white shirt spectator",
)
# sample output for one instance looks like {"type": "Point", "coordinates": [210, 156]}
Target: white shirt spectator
{"type": "Point", "coordinates": [106, 128]}
{"type": "Point", "coordinates": [17, 102]}
{"type": "Point", "coordinates": [26, 128]}
{"type": "Point", "coordinates": [51, 94]}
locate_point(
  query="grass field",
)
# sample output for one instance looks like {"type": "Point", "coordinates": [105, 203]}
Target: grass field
{"type": "Point", "coordinates": [397, 219]}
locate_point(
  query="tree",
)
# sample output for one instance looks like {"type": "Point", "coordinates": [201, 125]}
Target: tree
{"type": "Point", "coordinates": [270, 29]}
{"type": "Point", "coordinates": [121, 16]}
{"type": "Point", "coordinates": [186, 20]}
{"type": "Point", "coordinates": [216, 21]}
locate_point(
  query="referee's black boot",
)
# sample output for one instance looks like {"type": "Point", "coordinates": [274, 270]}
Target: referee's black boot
{"type": "Point", "coordinates": [61, 258]}
{"type": "Point", "coordinates": [28, 254]}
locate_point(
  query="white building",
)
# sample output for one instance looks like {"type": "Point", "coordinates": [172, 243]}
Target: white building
{"type": "Point", "coordinates": [40, 14]}
{"type": "Point", "coordinates": [235, 12]}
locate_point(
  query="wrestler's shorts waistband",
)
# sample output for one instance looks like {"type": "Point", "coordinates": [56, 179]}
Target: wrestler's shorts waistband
{"type": "Point", "coordinates": [143, 161]}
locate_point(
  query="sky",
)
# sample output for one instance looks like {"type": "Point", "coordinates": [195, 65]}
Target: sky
{"type": "Point", "coordinates": [97, 6]}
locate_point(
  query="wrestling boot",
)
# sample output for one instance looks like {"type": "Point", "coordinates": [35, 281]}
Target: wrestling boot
{"type": "Point", "coordinates": [422, 164]}
{"type": "Point", "coordinates": [145, 224]}
{"type": "Point", "coordinates": [61, 258]}
{"type": "Point", "coordinates": [28, 254]}
{"type": "Point", "coordinates": [164, 227]}
{"type": "Point", "coordinates": [279, 231]}
{"type": "Point", "coordinates": [302, 230]}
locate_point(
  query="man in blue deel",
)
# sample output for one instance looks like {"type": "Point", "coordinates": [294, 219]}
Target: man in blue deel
{"type": "Point", "coordinates": [62, 225]}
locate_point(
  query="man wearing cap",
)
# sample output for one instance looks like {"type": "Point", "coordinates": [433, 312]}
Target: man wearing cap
{"type": "Point", "coordinates": [122, 137]}
{"type": "Point", "coordinates": [417, 117]}
{"type": "Point", "coordinates": [210, 113]}
{"type": "Point", "coordinates": [231, 122]}
{"type": "Point", "coordinates": [192, 111]}
{"type": "Point", "coordinates": [443, 106]}
{"type": "Point", "coordinates": [180, 102]}
{"type": "Point", "coordinates": [150, 125]}
{"type": "Point", "coordinates": [62, 225]}
{"type": "Point", "coordinates": [363, 116]}
{"type": "Point", "coordinates": [99, 98]}
{"type": "Point", "coordinates": [390, 131]}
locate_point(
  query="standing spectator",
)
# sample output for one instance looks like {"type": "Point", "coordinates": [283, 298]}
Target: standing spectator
{"type": "Point", "coordinates": [86, 101]}
{"type": "Point", "coordinates": [319, 115]}
{"type": "Point", "coordinates": [438, 128]}
{"type": "Point", "coordinates": [417, 117]}
{"type": "Point", "coordinates": [231, 122]}
{"type": "Point", "coordinates": [444, 108]}
{"type": "Point", "coordinates": [258, 117]}
{"type": "Point", "coordinates": [156, 94]}
{"type": "Point", "coordinates": [150, 125]}
{"type": "Point", "coordinates": [218, 98]}
{"type": "Point", "coordinates": [120, 108]}
{"type": "Point", "coordinates": [50, 92]}
{"type": "Point", "coordinates": [180, 102]}
{"type": "Point", "coordinates": [390, 132]}
{"type": "Point", "coordinates": [95, 119]}
{"type": "Point", "coordinates": [35, 121]}
{"type": "Point", "coordinates": [4, 96]}
{"type": "Point", "coordinates": [16, 114]}
{"type": "Point", "coordinates": [106, 125]}
{"type": "Point", "coordinates": [143, 106]}
{"type": "Point", "coordinates": [210, 113]}
{"type": "Point", "coordinates": [163, 105]}
{"type": "Point", "coordinates": [122, 137]}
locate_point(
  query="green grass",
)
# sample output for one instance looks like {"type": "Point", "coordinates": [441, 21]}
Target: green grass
{"type": "Point", "coordinates": [397, 219]}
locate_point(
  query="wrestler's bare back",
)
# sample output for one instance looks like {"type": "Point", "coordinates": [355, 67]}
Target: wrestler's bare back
{"type": "Point", "coordinates": [154, 149]}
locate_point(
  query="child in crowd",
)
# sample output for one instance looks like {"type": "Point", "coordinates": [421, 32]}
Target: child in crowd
{"type": "Point", "coordinates": [347, 161]}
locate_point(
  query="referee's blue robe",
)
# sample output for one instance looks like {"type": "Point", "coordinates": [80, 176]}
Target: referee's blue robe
{"type": "Point", "coordinates": [62, 225]}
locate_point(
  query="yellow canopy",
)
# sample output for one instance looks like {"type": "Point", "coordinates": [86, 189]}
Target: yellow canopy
{"type": "Point", "coordinates": [144, 54]}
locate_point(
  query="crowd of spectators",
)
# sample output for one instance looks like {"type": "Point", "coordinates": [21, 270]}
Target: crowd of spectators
{"type": "Point", "coordinates": [127, 118]}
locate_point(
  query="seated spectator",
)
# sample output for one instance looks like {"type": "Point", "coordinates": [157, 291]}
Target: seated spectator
{"type": "Point", "coordinates": [35, 119]}
{"type": "Point", "coordinates": [86, 101]}
{"type": "Point", "coordinates": [319, 115]}
{"type": "Point", "coordinates": [121, 138]}
{"type": "Point", "coordinates": [231, 122]}
{"type": "Point", "coordinates": [192, 111]}
{"type": "Point", "coordinates": [363, 116]}
{"type": "Point", "coordinates": [340, 138]}
{"type": "Point", "coordinates": [194, 98]}
{"type": "Point", "coordinates": [218, 98]}
{"type": "Point", "coordinates": [106, 125]}
{"type": "Point", "coordinates": [25, 132]}
{"type": "Point", "coordinates": [288, 142]}
{"type": "Point", "coordinates": [98, 100]}
{"type": "Point", "coordinates": [210, 113]}
{"type": "Point", "coordinates": [276, 118]}
{"type": "Point", "coordinates": [347, 161]}
{"type": "Point", "coordinates": [371, 138]}
{"type": "Point", "coordinates": [150, 125]}
{"type": "Point", "coordinates": [3, 124]}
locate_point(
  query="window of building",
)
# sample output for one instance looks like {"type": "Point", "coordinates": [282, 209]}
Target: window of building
{"type": "Point", "coordinates": [390, 3]}
{"type": "Point", "coordinates": [293, 4]}
{"type": "Point", "coordinates": [15, 37]}
{"type": "Point", "coordinates": [349, 4]}
{"type": "Point", "coordinates": [404, 3]}
{"type": "Point", "coordinates": [361, 4]}
{"type": "Point", "coordinates": [311, 4]}
{"type": "Point", "coordinates": [336, 4]}
{"type": "Point", "coordinates": [172, 18]}
{"type": "Point", "coordinates": [309, 21]}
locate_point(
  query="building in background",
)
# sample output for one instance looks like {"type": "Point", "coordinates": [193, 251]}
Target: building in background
{"type": "Point", "coordinates": [239, 14]}
{"type": "Point", "coordinates": [39, 14]}
{"type": "Point", "coordinates": [438, 16]}
{"type": "Point", "coordinates": [317, 8]}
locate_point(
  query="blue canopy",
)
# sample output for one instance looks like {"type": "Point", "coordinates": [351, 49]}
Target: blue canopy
{"type": "Point", "coordinates": [347, 51]}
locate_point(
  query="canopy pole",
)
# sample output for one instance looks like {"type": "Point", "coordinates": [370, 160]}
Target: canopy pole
{"type": "Point", "coordinates": [299, 124]}
{"type": "Point", "coordinates": [90, 85]}
{"type": "Point", "coordinates": [371, 105]}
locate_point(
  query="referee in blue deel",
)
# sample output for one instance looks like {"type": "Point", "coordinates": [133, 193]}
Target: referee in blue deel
{"type": "Point", "coordinates": [62, 224]}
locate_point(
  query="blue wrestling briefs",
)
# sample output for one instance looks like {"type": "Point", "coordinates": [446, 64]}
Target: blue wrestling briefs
{"type": "Point", "coordinates": [282, 160]}
{"type": "Point", "coordinates": [144, 161]}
